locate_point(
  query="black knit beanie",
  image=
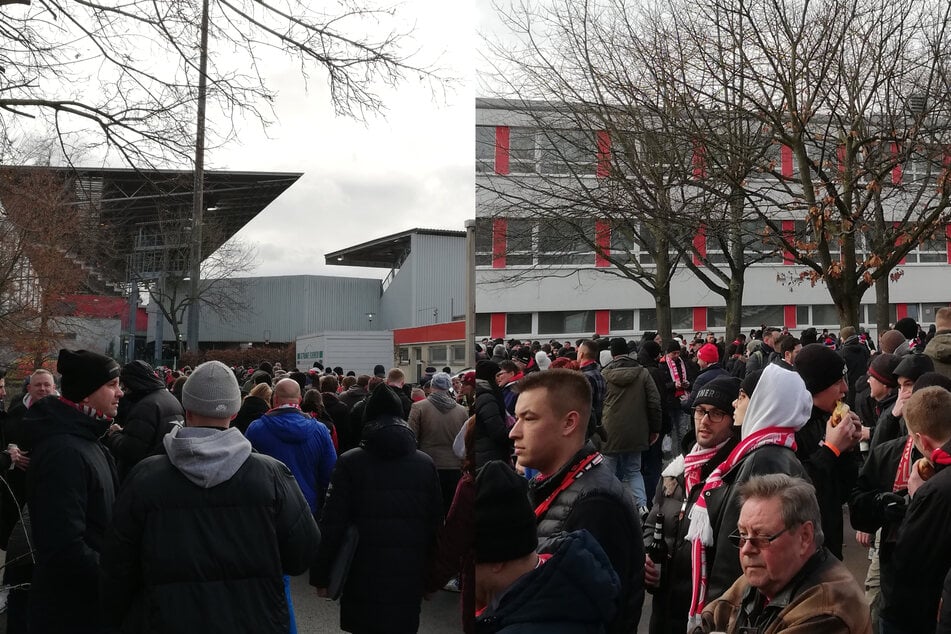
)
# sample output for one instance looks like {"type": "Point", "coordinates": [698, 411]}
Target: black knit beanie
{"type": "Point", "coordinates": [720, 392]}
{"type": "Point", "coordinates": [382, 402]}
{"type": "Point", "coordinates": [486, 370]}
{"type": "Point", "coordinates": [914, 365]}
{"type": "Point", "coordinates": [750, 381]}
{"type": "Point", "coordinates": [819, 367]}
{"type": "Point", "coordinates": [84, 372]}
{"type": "Point", "coordinates": [883, 367]}
{"type": "Point", "coordinates": [504, 520]}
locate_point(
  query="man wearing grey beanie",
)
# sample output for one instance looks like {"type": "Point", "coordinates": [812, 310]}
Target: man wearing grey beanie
{"type": "Point", "coordinates": [202, 536]}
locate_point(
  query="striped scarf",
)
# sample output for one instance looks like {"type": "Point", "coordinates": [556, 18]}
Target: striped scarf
{"type": "Point", "coordinates": [91, 412]}
{"type": "Point", "coordinates": [676, 375]}
{"type": "Point", "coordinates": [700, 532]}
{"type": "Point", "coordinates": [693, 464]}
{"type": "Point", "coordinates": [904, 466]}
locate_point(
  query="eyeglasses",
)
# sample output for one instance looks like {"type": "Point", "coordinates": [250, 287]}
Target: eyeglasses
{"type": "Point", "coordinates": [715, 415]}
{"type": "Point", "coordinates": [760, 543]}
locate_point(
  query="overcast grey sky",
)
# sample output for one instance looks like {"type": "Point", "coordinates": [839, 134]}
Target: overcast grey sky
{"type": "Point", "coordinates": [411, 167]}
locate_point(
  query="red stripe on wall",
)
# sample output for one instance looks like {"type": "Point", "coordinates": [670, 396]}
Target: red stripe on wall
{"type": "Point", "coordinates": [451, 331]}
{"type": "Point", "coordinates": [700, 246]}
{"type": "Point", "coordinates": [947, 232]}
{"type": "Point", "coordinates": [604, 153]}
{"type": "Point", "coordinates": [501, 149]}
{"type": "Point", "coordinates": [497, 326]}
{"type": "Point", "coordinates": [785, 159]}
{"type": "Point", "coordinates": [789, 317]}
{"type": "Point", "coordinates": [699, 318]}
{"type": "Point", "coordinates": [897, 170]}
{"type": "Point", "coordinates": [901, 311]}
{"type": "Point", "coordinates": [699, 161]}
{"type": "Point", "coordinates": [499, 229]}
{"type": "Point", "coordinates": [602, 236]}
{"type": "Point", "coordinates": [602, 322]}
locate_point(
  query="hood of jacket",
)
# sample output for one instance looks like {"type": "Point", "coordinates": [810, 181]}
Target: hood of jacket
{"type": "Point", "coordinates": [624, 370]}
{"type": "Point", "coordinates": [779, 400]}
{"type": "Point", "coordinates": [388, 437]}
{"type": "Point", "coordinates": [939, 348]}
{"type": "Point", "coordinates": [139, 379]}
{"type": "Point", "coordinates": [577, 586]}
{"type": "Point", "coordinates": [207, 456]}
{"type": "Point", "coordinates": [288, 424]}
{"type": "Point", "coordinates": [50, 416]}
{"type": "Point", "coordinates": [443, 401]}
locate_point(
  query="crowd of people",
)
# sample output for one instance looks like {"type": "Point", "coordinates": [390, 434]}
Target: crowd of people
{"type": "Point", "coordinates": [555, 486]}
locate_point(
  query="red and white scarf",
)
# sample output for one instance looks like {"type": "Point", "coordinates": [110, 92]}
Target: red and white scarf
{"type": "Point", "coordinates": [693, 464]}
{"type": "Point", "coordinates": [92, 412]}
{"type": "Point", "coordinates": [676, 375]}
{"type": "Point", "coordinates": [904, 466]}
{"type": "Point", "coordinates": [700, 532]}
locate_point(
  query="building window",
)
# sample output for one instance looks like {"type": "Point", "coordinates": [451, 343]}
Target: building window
{"type": "Point", "coordinates": [438, 354]}
{"type": "Point", "coordinates": [404, 355]}
{"type": "Point", "coordinates": [521, 151]}
{"type": "Point", "coordinates": [802, 316]}
{"type": "Point", "coordinates": [458, 353]}
{"type": "Point", "coordinates": [518, 323]}
{"type": "Point", "coordinates": [557, 322]}
{"type": "Point", "coordinates": [622, 320]}
{"type": "Point", "coordinates": [560, 241]}
{"type": "Point", "coordinates": [483, 325]}
{"type": "Point", "coordinates": [824, 315]}
{"type": "Point", "coordinates": [485, 149]}
{"type": "Point", "coordinates": [483, 241]}
{"type": "Point", "coordinates": [934, 248]}
{"type": "Point", "coordinates": [568, 152]}
{"type": "Point", "coordinates": [680, 319]}
{"type": "Point", "coordinates": [519, 242]}
{"type": "Point", "coordinates": [928, 312]}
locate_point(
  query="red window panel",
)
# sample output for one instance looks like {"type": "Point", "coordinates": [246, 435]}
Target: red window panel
{"type": "Point", "coordinates": [897, 170]}
{"type": "Point", "coordinates": [789, 232]}
{"type": "Point", "coordinates": [497, 326]}
{"type": "Point", "coordinates": [604, 154]}
{"type": "Point", "coordinates": [499, 229]}
{"type": "Point", "coordinates": [699, 318]}
{"type": "Point", "coordinates": [947, 233]}
{"type": "Point", "coordinates": [789, 317]}
{"type": "Point", "coordinates": [785, 158]}
{"type": "Point", "coordinates": [901, 311]}
{"type": "Point", "coordinates": [502, 149]}
{"type": "Point", "coordinates": [699, 161]}
{"type": "Point", "coordinates": [700, 246]}
{"type": "Point", "coordinates": [602, 322]}
{"type": "Point", "coordinates": [602, 234]}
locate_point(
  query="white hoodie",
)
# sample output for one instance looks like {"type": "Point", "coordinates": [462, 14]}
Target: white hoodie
{"type": "Point", "coordinates": [779, 400]}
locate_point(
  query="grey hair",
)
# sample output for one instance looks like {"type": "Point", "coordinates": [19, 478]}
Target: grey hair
{"type": "Point", "coordinates": [796, 496]}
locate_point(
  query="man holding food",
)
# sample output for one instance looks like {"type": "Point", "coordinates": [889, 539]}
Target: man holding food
{"type": "Point", "coordinates": [911, 588]}
{"type": "Point", "coordinates": [826, 445]}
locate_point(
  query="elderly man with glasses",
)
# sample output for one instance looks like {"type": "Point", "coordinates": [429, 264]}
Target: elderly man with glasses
{"type": "Point", "coordinates": [790, 581]}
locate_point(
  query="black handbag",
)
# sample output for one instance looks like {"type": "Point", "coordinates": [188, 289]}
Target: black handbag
{"type": "Point", "coordinates": [340, 569]}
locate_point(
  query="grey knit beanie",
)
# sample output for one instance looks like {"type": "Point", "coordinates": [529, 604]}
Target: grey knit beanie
{"type": "Point", "coordinates": [211, 390]}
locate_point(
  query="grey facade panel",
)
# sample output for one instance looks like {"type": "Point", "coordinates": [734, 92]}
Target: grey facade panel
{"type": "Point", "coordinates": [282, 308]}
{"type": "Point", "coordinates": [397, 303]}
{"type": "Point", "coordinates": [441, 282]}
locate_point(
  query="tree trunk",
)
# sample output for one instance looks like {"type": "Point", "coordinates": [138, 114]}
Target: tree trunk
{"type": "Point", "coordinates": [734, 309]}
{"type": "Point", "coordinates": [662, 299]}
{"type": "Point", "coordinates": [847, 301]}
{"type": "Point", "coordinates": [882, 321]}
{"type": "Point", "coordinates": [662, 286]}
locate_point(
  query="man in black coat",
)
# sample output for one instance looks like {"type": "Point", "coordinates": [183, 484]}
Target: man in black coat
{"type": "Point", "coordinates": [389, 491]}
{"type": "Point", "coordinates": [151, 412]}
{"type": "Point", "coordinates": [202, 536]}
{"type": "Point", "coordinates": [71, 485]}
{"type": "Point", "coordinates": [575, 490]}
{"type": "Point", "coordinates": [856, 355]}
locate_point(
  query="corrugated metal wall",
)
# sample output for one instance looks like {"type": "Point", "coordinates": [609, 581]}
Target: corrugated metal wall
{"type": "Point", "coordinates": [286, 307]}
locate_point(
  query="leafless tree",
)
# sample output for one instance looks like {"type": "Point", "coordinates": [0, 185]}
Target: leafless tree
{"type": "Point", "coordinates": [121, 77]}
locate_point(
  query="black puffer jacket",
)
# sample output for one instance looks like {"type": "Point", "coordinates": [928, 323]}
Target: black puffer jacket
{"type": "Point", "coordinates": [252, 408]}
{"type": "Point", "coordinates": [202, 537]}
{"type": "Point", "coordinates": [71, 487]}
{"type": "Point", "coordinates": [390, 492]}
{"type": "Point", "coordinates": [491, 432]}
{"type": "Point", "coordinates": [599, 503]}
{"type": "Point", "coordinates": [152, 412]}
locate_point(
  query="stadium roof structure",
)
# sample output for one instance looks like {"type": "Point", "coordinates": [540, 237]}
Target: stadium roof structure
{"type": "Point", "coordinates": [136, 208]}
{"type": "Point", "coordinates": [386, 252]}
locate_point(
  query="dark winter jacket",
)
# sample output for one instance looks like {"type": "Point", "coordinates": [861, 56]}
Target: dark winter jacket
{"type": "Point", "coordinates": [390, 492]}
{"type": "Point", "coordinates": [252, 408]}
{"type": "Point", "coordinates": [491, 431]}
{"type": "Point", "coordinates": [300, 442]}
{"type": "Point", "coordinates": [599, 503]}
{"type": "Point", "coordinates": [922, 557]}
{"type": "Point", "coordinates": [856, 356]}
{"type": "Point", "coordinates": [353, 396]}
{"type": "Point", "coordinates": [632, 410]}
{"type": "Point", "coordinates": [338, 411]}
{"type": "Point", "coordinates": [455, 550]}
{"type": "Point", "coordinates": [671, 601]}
{"type": "Point", "coordinates": [71, 487]}
{"type": "Point", "coordinates": [202, 536]}
{"type": "Point", "coordinates": [151, 414]}
{"type": "Point", "coordinates": [573, 592]}
{"type": "Point", "coordinates": [833, 476]}
{"type": "Point", "coordinates": [723, 506]}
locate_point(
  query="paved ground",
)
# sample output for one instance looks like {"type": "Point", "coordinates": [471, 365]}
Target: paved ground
{"type": "Point", "coordinates": [441, 614]}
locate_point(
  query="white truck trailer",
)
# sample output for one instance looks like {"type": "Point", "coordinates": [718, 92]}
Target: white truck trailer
{"type": "Point", "coordinates": [352, 350]}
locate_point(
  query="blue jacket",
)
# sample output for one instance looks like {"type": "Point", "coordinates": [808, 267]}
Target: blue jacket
{"type": "Point", "coordinates": [302, 443]}
{"type": "Point", "coordinates": [574, 592]}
